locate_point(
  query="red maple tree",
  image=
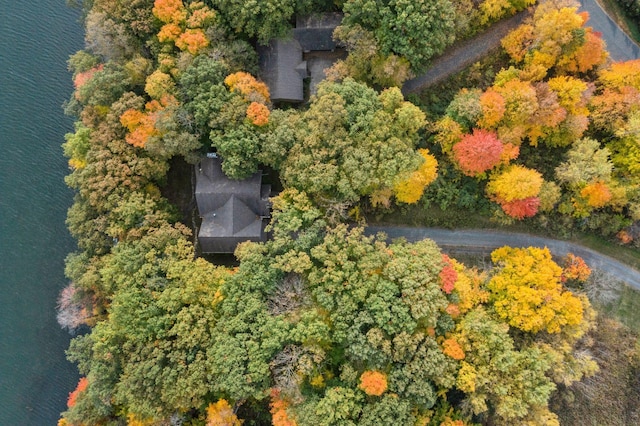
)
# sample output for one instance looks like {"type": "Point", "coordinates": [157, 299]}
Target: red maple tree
{"type": "Point", "coordinates": [478, 152]}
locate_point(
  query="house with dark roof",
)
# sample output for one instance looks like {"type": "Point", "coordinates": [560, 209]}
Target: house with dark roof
{"type": "Point", "coordinates": [283, 69]}
{"type": "Point", "coordinates": [232, 211]}
{"type": "Point", "coordinates": [315, 32]}
{"type": "Point", "coordinates": [285, 63]}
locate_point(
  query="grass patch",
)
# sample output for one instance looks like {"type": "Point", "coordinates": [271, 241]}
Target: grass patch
{"type": "Point", "coordinates": [628, 25]}
{"type": "Point", "coordinates": [625, 309]}
{"type": "Point", "coordinates": [626, 255]}
{"type": "Point", "coordinates": [415, 215]}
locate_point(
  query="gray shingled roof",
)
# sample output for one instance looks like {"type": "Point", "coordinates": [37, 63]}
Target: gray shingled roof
{"type": "Point", "coordinates": [319, 20]}
{"type": "Point", "coordinates": [281, 62]}
{"type": "Point", "coordinates": [282, 68]}
{"type": "Point", "coordinates": [315, 39]}
{"type": "Point", "coordinates": [232, 211]}
{"type": "Point", "coordinates": [315, 32]}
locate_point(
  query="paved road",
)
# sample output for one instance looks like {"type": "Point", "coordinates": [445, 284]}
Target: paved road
{"type": "Point", "coordinates": [619, 45]}
{"type": "Point", "coordinates": [477, 241]}
{"type": "Point", "coordinates": [464, 54]}
{"type": "Point", "coordinates": [621, 48]}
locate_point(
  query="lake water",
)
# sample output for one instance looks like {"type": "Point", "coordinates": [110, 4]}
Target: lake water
{"type": "Point", "coordinates": [36, 38]}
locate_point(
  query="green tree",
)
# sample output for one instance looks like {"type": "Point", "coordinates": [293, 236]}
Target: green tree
{"type": "Point", "coordinates": [202, 91]}
{"type": "Point", "coordinates": [77, 146]}
{"type": "Point", "coordinates": [174, 138]}
{"type": "Point", "coordinates": [586, 162]}
{"type": "Point", "coordinates": [220, 103]}
{"type": "Point", "coordinates": [264, 19]}
{"type": "Point", "coordinates": [118, 29]}
{"type": "Point", "coordinates": [365, 61]}
{"type": "Point", "coordinates": [352, 142]}
{"type": "Point", "coordinates": [310, 315]}
{"type": "Point", "coordinates": [154, 342]}
{"type": "Point", "coordinates": [465, 108]}
{"type": "Point", "coordinates": [82, 61]}
{"type": "Point", "coordinates": [497, 379]}
{"type": "Point", "coordinates": [105, 86]}
{"type": "Point", "coordinates": [415, 30]}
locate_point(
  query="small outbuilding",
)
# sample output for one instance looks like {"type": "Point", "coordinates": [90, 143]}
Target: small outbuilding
{"type": "Point", "coordinates": [232, 211]}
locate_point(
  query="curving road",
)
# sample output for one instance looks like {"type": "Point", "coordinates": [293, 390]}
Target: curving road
{"type": "Point", "coordinates": [478, 241]}
{"type": "Point", "coordinates": [621, 48]}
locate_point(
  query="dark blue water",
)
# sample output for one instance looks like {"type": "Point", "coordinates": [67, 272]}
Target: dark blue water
{"type": "Point", "coordinates": [36, 38]}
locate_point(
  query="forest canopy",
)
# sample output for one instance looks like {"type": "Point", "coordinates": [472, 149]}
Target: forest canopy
{"type": "Point", "coordinates": [325, 324]}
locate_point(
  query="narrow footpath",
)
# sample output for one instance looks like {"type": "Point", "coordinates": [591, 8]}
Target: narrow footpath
{"type": "Point", "coordinates": [477, 241]}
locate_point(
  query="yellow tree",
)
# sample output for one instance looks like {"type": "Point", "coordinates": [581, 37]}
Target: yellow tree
{"type": "Point", "coordinates": [516, 190]}
{"type": "Point", "coordinates": [527, 291]}
{"type": "Point", "coordinates": [515, 183]}
{"type": "Point", "coordinates": [159, 84]}
{"type": "Point", "coordinates": [221, 414]}
{"type": "Point", "coordinates": [469, 287]}
{"type": "Point", "coordinates": [449, 132]}
{"type": "Point", "coordinates": [516, 43]}
{"type": "Point", "coordinates": [492, 10]}
{"type": "Point", "coordinates": [555, 38]}
{"type": "Point", "coordinates": [133, 420]}
{"type": "Point", "coordinates": [410, 190]}
{"type": "Point", "coordinates": [622, 74]}
{"type": "Point", "coordinates": [571, 94]}
{"type": "Point", "coordinates": [520, 103]}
